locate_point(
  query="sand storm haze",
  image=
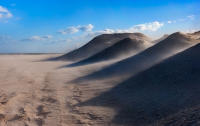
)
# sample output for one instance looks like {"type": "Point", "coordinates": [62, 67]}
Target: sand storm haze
{"type": "Point", "coordinates": [33, 93]}
{"type": "Point", "coordinates": [99, 63]}
{"type": "Point", "coordinates": [152, 86]}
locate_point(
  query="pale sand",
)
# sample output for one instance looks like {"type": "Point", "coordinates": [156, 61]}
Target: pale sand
{"type": "Point", "coordinates": [37, 93]}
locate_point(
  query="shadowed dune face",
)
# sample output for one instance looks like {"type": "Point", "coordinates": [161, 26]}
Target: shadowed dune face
{"type": "Point", "coordinates": [125, 47]}
{"type": "Point", "coordinates": [98, 44]}
{"type": "Point", "coordinates": [158, 92]}
{"type": "Point", "coordinates": [171, 45]}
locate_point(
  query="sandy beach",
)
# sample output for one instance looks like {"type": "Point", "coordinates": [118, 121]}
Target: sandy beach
{"type": "Point", "coordinates": [39, 93]}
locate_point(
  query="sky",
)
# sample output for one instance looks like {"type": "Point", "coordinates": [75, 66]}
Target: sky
{"type": "Point", "coordinates": [57, 26]}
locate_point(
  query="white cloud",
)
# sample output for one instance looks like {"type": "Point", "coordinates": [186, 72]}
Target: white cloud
{"type": "Point", "coordinates": [47, 36]}
{"type": "Point", "coordinates": [86, 28]}
{"type": "Point", "coordinates": [191, 17]}
{"type": "Point", "coordinates": [186, 18]}
{"type": "Point", "coordinates": [5, 13]}
{"type": "Point", "coordinates": [38, 38]}
{"type": "Point", "coordinates": [69, 30]}
{"type": "Point", "coordinates": [153, 26]}
{"type": "Point", "coordinates": [174, 21]}
{"type": "Point", "coordinates": [75, 29]}
{"type": "Point", "coordinates": [169, 22]}
{"type": "Point", "coordinates": [105, 31]}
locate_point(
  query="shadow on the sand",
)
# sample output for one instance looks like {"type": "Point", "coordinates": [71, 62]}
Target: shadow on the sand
{"type": "Point", "coordinates": [156, 93]}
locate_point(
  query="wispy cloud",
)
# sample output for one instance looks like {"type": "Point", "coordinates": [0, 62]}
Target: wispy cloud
{"type": "Point", "coordinates": [169, 22]}
{"type": "Point", "coordinates": [151, 26]}
{"type": "Point", "coordinates": [38, 38]}
{"type": "Point", "coordinates": [5, 13]}
{"type": "Point", "coordinates": [191, 17]}
{"type": "Point", "coordinates": [75, 29]}
{"type": "Point", "coordinates": [186, 18]}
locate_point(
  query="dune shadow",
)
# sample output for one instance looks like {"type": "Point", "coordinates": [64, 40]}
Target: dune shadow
{"type": "Point", "coordinates": [156, 93]}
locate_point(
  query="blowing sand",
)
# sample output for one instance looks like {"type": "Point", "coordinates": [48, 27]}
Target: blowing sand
{"type": "Point", "coordinates": [38, 93]}
{"type": "Point", "coordinates": [35, 92]}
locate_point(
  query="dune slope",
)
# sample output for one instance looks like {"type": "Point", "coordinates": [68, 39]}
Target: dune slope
{"type": "Point", "coordinates": [124, 47]}
{"type": "Point", "coordinates": [155, 54]}
{"type": "Point", "coordinates": [98, 44]}
{"type": "Point", "coordinates": [158, 92]}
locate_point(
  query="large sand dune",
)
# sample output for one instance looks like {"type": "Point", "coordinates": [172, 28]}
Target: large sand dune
{"type": "Point", "coordinates": [159, 92]}
{"type": "Point", "coordinates": [173, 44]}
{"type": "Point", "coordinates": [125, 47]}
{"type": "Point", "coordinates": [98, 44]}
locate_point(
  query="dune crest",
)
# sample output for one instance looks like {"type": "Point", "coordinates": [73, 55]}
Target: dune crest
{"type": "Point", "coordinates": [98, 44]}
{"type": "Point", "coordinates": [173, 44]}
{"type": "Point", "coordinates": [125, 47]}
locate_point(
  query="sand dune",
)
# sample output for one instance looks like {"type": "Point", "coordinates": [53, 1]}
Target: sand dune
{"type": "Point", "coordinates": [98, 44]}
{"type": "Point", "coordinates": [171, 45]}
{"type": "Point", "coordinates": [125, 47]}
{"type": "Point", "coordinates": [162, 89]}
{"type": "Point", "coordinates": [161, 39]}
{"type": "Point", "coordinates": [159, 92]}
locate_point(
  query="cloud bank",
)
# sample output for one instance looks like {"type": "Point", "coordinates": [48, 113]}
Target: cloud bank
{"type": "Point", "coordinates": [151, 26]}
{"type": "Point", "coordinates": [5, 13]}
{"type": "Point", "coordinates": [75, 29]}
{"type": "Point", "coordinates": [191, 17]}
{"type": "Point", "coordinates": [187, 18]}
{"type": "Point", "coordinates": [38, 38]}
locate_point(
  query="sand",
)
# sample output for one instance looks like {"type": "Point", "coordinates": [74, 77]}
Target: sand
{"type": "Point", "coordinates": [158, 92]}
{"type": "Point", "coordinates": [38, 93]}
{"type": "Point", "coordinates": [98, 44]}
{"type": "Point", "coordinates": [123, 48]}
{"type": "Point", "coordinates": [35, 92]}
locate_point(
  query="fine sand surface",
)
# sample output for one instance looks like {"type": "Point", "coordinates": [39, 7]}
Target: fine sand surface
{"type": "Point", "coordinates": [38, 93]}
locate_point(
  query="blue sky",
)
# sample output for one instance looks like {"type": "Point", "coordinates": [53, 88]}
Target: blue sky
{"type": "Point", "coordinates": [62, 25]}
